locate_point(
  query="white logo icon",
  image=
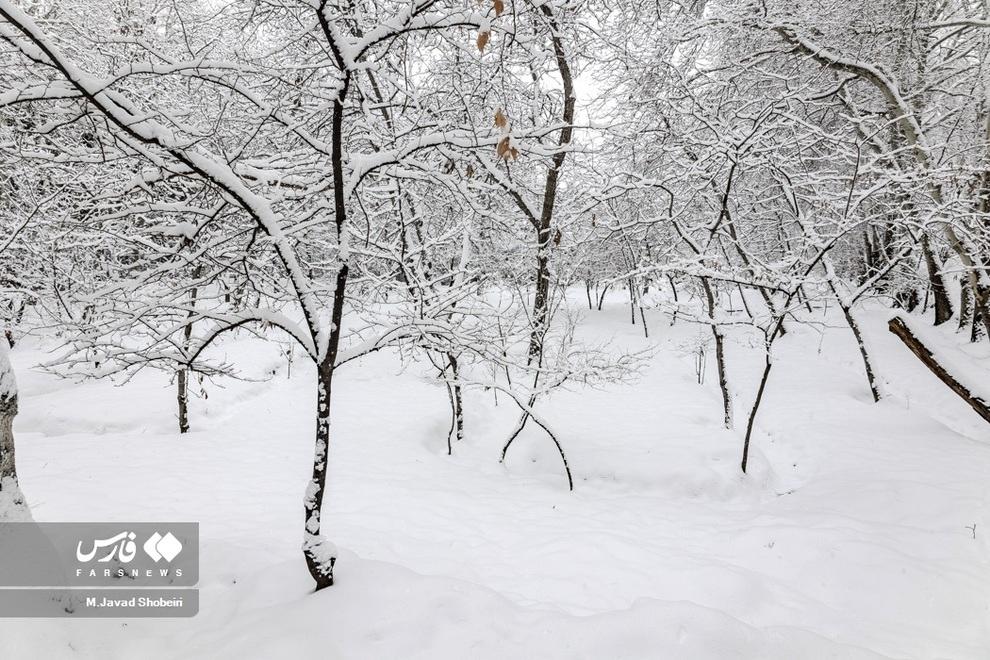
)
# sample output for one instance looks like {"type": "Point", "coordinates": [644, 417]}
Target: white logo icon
{"type": "Point", "coordinates": [160, 547]}
{"type": "Point", "coordinates": [122, 545]}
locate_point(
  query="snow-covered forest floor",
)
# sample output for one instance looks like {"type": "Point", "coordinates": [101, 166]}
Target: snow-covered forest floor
{"type": "Point", "coordinates": [861, 530]}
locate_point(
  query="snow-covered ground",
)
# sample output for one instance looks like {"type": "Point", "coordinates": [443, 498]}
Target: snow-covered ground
{"type": "Point", "coordinates": [861, 531]}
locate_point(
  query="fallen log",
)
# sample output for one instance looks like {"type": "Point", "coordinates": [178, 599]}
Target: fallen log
{"type": "Point", "coordinates": [923, 353]}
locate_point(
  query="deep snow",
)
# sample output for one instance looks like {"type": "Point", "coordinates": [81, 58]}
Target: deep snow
{"type": "Point", "coordinates": [852, 536]}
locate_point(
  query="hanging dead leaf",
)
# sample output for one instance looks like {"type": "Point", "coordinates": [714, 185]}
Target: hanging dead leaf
{"type": "Point", "coordinates": [482, 40]}
{"type": "Point", "coordinates": [500, 119]}
{"type": "Point", "coordinates": [470, 170]}
{"type": "Point", "coordinates": [513, 153]}
{"type": "Point", "coordinates": [499, 7]}
{"type": "Point", "coordinates": [557, 236]}
{"type": "Point", "coordinates": [502, 150]}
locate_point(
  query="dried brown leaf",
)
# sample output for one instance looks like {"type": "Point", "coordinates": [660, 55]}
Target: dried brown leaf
{"type": "Point", "coordinates": [500, 119]}
{"type": "Point", "coordinates": [502, 150]}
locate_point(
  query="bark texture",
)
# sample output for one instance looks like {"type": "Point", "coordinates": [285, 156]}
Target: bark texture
{"type": "Point", "coordinates": [8, 410]}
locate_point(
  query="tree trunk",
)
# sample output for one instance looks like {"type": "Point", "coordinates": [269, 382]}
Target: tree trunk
{"type": "Point", "coordinates": [923, 353]}
{"type": "Point", "coordinates": [543, 226]}
{"type": "Point", "coordinates": [601, 297]}
{"type": "Point", "coordinates": [846, 308]}
{"type": "Point", "coordinates": [756, 406]}
{"type": "Point", "coordinates": [804, 300]}
{"type": "Point", "coordinates": [742, 296]}
{"type": "Point", "coordinates": [8, 410]}
{"type": "Point", "coordinates": [456, 402]}
{"type": "Point", "coordinates": [723, 377]}
{"type": "Point", "coordinates": [541, 301]}
{"type": "Point", "coordinates": [977, 330]}
{"type": "Point", "coordinates": [965, 306]}
{"type": "Point", "coordinates": [320, 554]}
{"type": "Point", "coordinates": [521, 424]}
{"type": "Point", "coordinates": [632, 301]}
{"type": "Point", "coordinates": [943, 305]}
{"type": "Point", "coordinates": [673, 289]}
{"type": "Point", "coordinates": [182, 396]}
{"type": "Point", "coordinates": [453, 419]}
{"type": "Point", "coordinates": [9, 489]}
{"type": "Point", "coordinates": [854, 326]}
{"type": "Point", "coordinates": [979, 292]}
{"type": "Point", "coordinates": [981, 311]}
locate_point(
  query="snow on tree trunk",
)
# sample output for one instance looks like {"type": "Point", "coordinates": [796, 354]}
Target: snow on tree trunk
{"type": "Point", "coordinates": [12, 504]}
{"type": "Point", "coordinates": [320, 553]}
{"type": "Point", "coordinates": [182, 397]}
{"type": "Point", "coordinates": [875, 387]}
{"type": "Point", "coordinates": [723, 377]}
{"type": "Point", "coordinates": [8, 410]}
{"type": "Point", "coordinates": [943, 304]}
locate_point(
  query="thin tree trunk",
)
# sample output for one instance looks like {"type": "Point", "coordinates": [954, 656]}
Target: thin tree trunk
{"type": "Point", "coordinates": [742, 296]}
{"type": "Point", "coordinates": [673, 289]}
{"type": "Point", "coordinates": [320, 554]}
{"type": "Point", "coordinates": [182, 397]}
{"type": "Point", "coordinates": [854, 326]}
{"type": "Point", "coordinates": [756, 407]}
{"type": "Point", "coordinates": [723, 377]}
{"type": "Point", "coordinates": [541, 302]}
{"type": "Point", "coordinates": [457, 406]}
{"type": "Point", "coordinates": [544, 225]}
{"type": "Point", "coordinates": [632, 301]}
{"type": "Point", "coordinates": [601, 297]}
{"type": "Point", "coordinates": [453, 419]}
{"type": "Point", "coordinates": [182, 381]}
{"type": "Point", "coordinates": [804, 300]}
{"type": "Point", "coordinates": [521, 424]}
{"type": "Point", "coordinates": [517, 429]}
